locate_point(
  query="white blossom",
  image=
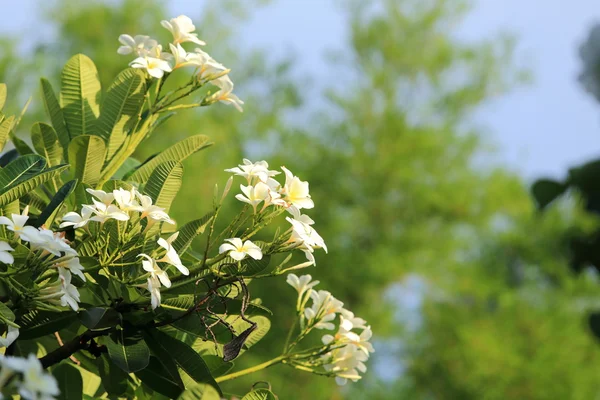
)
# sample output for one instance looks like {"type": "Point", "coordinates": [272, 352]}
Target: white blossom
{"type": "Point", "coordinates": [181, 28]}
{"type": "Point", "coordinates": [302, 284]}
{"type": "Point", "coordinates": [152, 212]}
{"type": "Point", "coordinates": [16, 222]}
{"type": "Point", "coordinates": [154, 289]}
{"type": "Point", "coordinates": [250, 170]}
{"type": "Point", "coordinates": [323, 309]}
{"type": "Point", "coordinates": [139, 45]}
{"type": "Point", "coordinates": [346, 362]}
{"type": "Point", "coordinates": [12, 334]}
{"type": "Point", "coordinates": [5, 255]}
{"type": "Point", "coordinates": [35, 383]}
{"type": "Point", "coordinates": [150, 265]}
{"type": "Point", "coordinates": [171, 257]}
{"type": "Point", "coordinates": [126, 199]}
{"type": "Point", "coordinates": [106, 198]}
{"type": "Point", "coordinates": [77, 220]}
{"type": "Point", "coordinates": [74, 266]}
{"type": "Point", "coordinates": [155, 66]}
{"type": "Point", "coordinates": [238, 250]}
{"type": "Point", "coordinates": [103, 212]}
{"type": "Point", "coordinates": [225, 95]}
{"type": "Point", "coordinates": [296, 191]}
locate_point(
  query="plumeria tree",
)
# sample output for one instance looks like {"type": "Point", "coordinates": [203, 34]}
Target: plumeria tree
{"type": "Point", "coordinates": [101, 293]}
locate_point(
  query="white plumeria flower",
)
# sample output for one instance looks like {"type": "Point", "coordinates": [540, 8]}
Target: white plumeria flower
{"type": "Point", "coordinates": [74, 266]}
{"type": "Point", "coordinates": [62, 291]}
{"type": "Point", "coordinates": [139, 45]}
{"type": "Point", "coordinates": [323, 309]}
{"type": "Point", "coordinates": [106, 198]}
{"type": "Point", "coordinates": [45, 239]}
{"type": "Point", "coordinates": [346, 363]}
{"type": "Point", "coordinates": [156, 67]}
{"type": "Point", "coordinates": [103, 212]}
{"type": "Point", "coordinates": [181, 58]}
{"type": "Point", "coordinates": [254, 195]}
{"type": "Point", "coordinates": [150, 265]}
{"type": "Point", "coordinates": [181, 28]}
{"type": "Point", "coordinates": [152, 212]}
{"type": "Point", "coordinates": [126, 199]}
{"type": "Point", "coordinates": [296, 191]}
{"type": "Point", "coordinates": [154, 289]}
{"type": "Point", "coordinates": [346, 336]}
{"type": "Point", "coordinates": [36, 383]}
{"type": "Point", "coordinates": [12, 334]}
{"type": "Point", "coordinates": [76, 220]}
{"type": "Point", "coordinates": [238, 250]}
{"type": "Point", "coordinates": [17, 221]}
{"type": "Point", "coordinates": [357, 323]}
{"type": "Point", "coordinates": [302, 284]}
{"type": "Point", "coordinates": [70, 294]}
{"type": "Point", "coordinates": [171, 257]}
{"type": "Point", "coordinates": [259, 169]}
{"type": "Point", "coordinates": [5, 255]}
{"type": "Point", "coordinates": [225, 95]}
{"type": "Point", "coordinates": [303, 233]}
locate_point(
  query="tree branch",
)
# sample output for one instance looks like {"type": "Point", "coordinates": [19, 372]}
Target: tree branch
{"type": "Point", "coordinates": [80, 342]}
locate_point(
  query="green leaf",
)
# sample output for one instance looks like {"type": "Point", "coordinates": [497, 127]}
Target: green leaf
{"type": "Point", "coordinates": [22, 147]}
{"type": "Point", "coordinates": [122, 104]}
{"type": "Point", "coordinates": [156, 377]}
{"type": "Point", "coordinates": [7, 316]}
{"type": "Point", "coordinates": [114, 379]}
{"type": "Point", "coordinates": [2, 95]}
{"type": "Point", "coordinates": [178, 152]}
{"type": "Point", "coordinates": [127, 167]}
{"type": "Point", "coordinates": [36, 324]}
{"type": "Point", "coordinates": [5, 128]}
{"type": "Point", "coordinates": [165, 357]}
{"type": "Point", "coordinates": [199, 391]}
{"type": "Point", "coordinates": [100, 318]}
{"type": "Point", "coordinates": [79, 95]}
{"type": "Point", "coordinates": [58, 199]}
{"type": "Point", "coordinates": [128, 353]}
{"type": "Point", "coordinates": [45, 142]}
{"type": "Point", "coordinates": [260, 394]}
{"type": "Point", "coordinates": [86, 156]}
{"type": "Point", "coordinates": [187, 359]}
{"type": "Point", "coordinates": [55, 113]}
{"type": "Point", "coordinates": [19, 189]}
{"type": "Point", "coordinates": [189, 231]}
{"type": "Point", "coordinates": [21, 169]}
{"type": "Point", "coordinates": [545, 191]}
{"type": "Point", "coordinates": [164, 183]}
{"type": "Point", "coordinates": [69, 381]}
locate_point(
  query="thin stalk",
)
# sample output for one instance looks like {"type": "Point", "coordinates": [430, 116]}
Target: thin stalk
{"type": "Point", "coordinates": [250, 370]}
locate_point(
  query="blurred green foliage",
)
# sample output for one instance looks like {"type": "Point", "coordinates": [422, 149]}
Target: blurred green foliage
{"type": "Point", "coordinates": [399, 174]}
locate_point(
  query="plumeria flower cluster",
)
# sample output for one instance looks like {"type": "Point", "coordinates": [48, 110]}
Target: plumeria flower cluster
{"type": "Point", "coordinates": [349, 348]}
{"type": "Point", "coordinates": [31, 382]}
{"type": "Point", "coordinates": [151, 57]}
{"type": "Point", "coordinates": [263, 191]}
{"type": "Point", "coordinates": [54, 250]}
{"type": "Point", "coordinates": [120, 205]}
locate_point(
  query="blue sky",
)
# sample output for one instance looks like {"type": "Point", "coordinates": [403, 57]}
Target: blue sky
{"type": "Point", "coordinates": [539, 130]}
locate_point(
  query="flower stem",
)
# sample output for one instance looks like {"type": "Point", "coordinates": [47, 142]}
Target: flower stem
{"type": "Point", "coordinates": [250, 370]}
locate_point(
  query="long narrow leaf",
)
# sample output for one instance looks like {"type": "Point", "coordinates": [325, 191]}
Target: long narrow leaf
{"type": "Point", "coordinates": [164, 183]}
{"type": "Point", "coordinates": [178, 152]}
{"type": "Point", "coordinates": [55, 113]}
{"type": "Point", "coordinates": [45, 142]}
{"type": "Point", "coordinates": [18, 190]}
{"type": "Point", "coordinates": [86, 156]}
{"type": "Point", "coordinates": [56, 201]}
{"type": "Point", "coordinates": [79, 95]}
{"type": "Point", "coordinates": [122, 103]}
